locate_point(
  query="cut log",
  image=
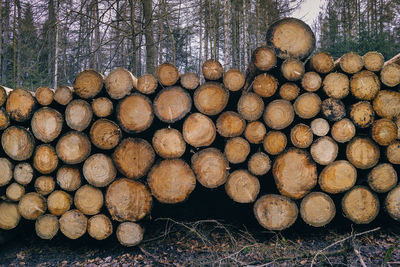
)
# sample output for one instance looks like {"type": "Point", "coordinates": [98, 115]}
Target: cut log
{"type": "Point", "coordinates": [133, 157]}
{"type": "Point", "coordinates": [242, 187]}
{"type": "Point", "coordinates": [171, 181]}
{"type": "Point", "coordinates": [47, 226]}
{"type": "Point", "coordinates": [47, 124]}
{"type": "Point", "coordinates": [236, 150]}
{"type": "Point", "coordinates": [320, 127]}
{"type": "Point", "coordinates": [292, 69]}
{"type": "Point", "coordinates": [317, 209]}
{"type": "Point", "coordinates": [78, 115]}
{"type": "Point", "coordinates": [364, 85]}
{"type": "Point", "coordinates": [89, 200]}
{"type": "Point", "coordinates": [274, 142]}
{"type": "Point", "coordinates": [102, 107]}
{"type": "Point", "coordinates": [289, 91]}
{"type": "Point", "coordinates": [384, 132]}
{"type": "Point", "coordinates": [69, 178]}
{"type": "Point", "coordinates": [44, 96]}
{"type": "Point", "coordinates": [18, 143]}
{"type": "Point", "coordinates": [336, 85]}
{"type": "Point", "coordinates": [147, 84]}
{"type": "Point", "coordinates": [250, 106]}
{"type": "Point", "coordinates": [172, 104]}
{"type": "Point", "coordinates": [63, 95]}
{"type": "Point", "coordinates": [343, 131]}
{"type": "Point", "coordinates": [45, 159]}
{"type": "Point", "coordinates": [129, 234]}
{"type": "Point", "coordinates": [88, 84]}
{"type": "Point", "coordinates": [20, 104]}
{"type": "Point", "coordinates": [99, 170]}
{"type": "Point", "coordinates": [199, 130]}
{"type": "Point", "coordinates": [362, 114]}
{"type": "Point", "coordinates": [167, 74]}
{"type": "Point", "coordinates": [73, 224]}
{"type": "Point", "coordinates": [324, 150]}
{"type": "Point", "coordinates": [259, 164]}
{"type": "Point", "coordinates": [275, 212]}
{"type": "Point", "coordinates": [99, 227]}
{"type": "Point", "coordinates": [119, 83]}
{"type": "Point", "coordinates": [211, 98]}
{"type": "Point", "coordinates": [338, 177]}
{"type": "Point", "coordinates": [9, 215]}
{"type": "Point", "coordinates": [230, 124]}
{"type": "Point", "coordinates": [360, 205]}
{"type": "Point", "coordinates": [311, 81]}
{"type": "Point", "coordinates": [233, 80]}
{"type": "Point", "coordinates": [322, 62]}
{"type": "Point", "coordinates": [31, 206]}
{"type": "Point", "coordinates": [44, 185]}
{"type": "Point", "coordinates": [362, 153]}
{"type": "Point", "coordinates": [265, 85]}
{"type": "Point", "coordinates": [307, 105]}
{"type": "Point", "coordinates": [4, 119]}
{"type": "Point", "coordinates": [128, 200]}
{"type": "Point", "coordinates": [169, 143]}
{"type": "Point", "coordinates": [6, 173]}
{"type": "Point", "coordinates": [397, 121]}
{"type": "Point", "coordinates": [263, 58]}
{"type": "Point", "coordinates": [3, 95]}
{"type": "Point", "coordinates": [393, 152]}
{"type": "Point", "coordinates": [301, 135]}
{"type": "Point", "coordinates": [212, 70]}
{"type": "Point", "coordinates": [350, 62]}
{"type": "Point", "coordinates": [23, 173]}
{"type": "Point", "coordinates": [291, 37]}
{"type": "Point", "coordinates": [295, 173]}
{"type": "Point", "coordinates": [382, 178]}
{"type": "Point", "coordinates": [387, 104]}
{"type": "Point", "coordinates": [255, 132]}
{"type": "Point", "coordinates": [59, 202]}
{"type": "Point", "coordinates": [105, 134]}
{"type": "Point", "coordinates": [15, 191]}
{"type": "Point", "coordinates": [392, 203]}
{"type": "Point", "coordinates": [333, 109]}
{"type": "Point", "coordinates": [190, 80]}
{"type": "Point", "coordinates": [73, 147]}
{"type": "Point", "coordinates": [279, 114]}
{"type": "Point", "coordinates": [211, 167]}
{"type": "Point", "coordinates": [390, 75]}
{"type": "Point", "coordinates": [373, 61]}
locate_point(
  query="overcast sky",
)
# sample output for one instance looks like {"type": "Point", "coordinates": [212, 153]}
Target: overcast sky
{"type": "Point", "coordinates": [308, 11]}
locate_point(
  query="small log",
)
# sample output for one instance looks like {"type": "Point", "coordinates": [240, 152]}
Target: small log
{"type": "Point", "coordinates": [63, 95]}
{"type": "Point", "coordinates": [128, 200]}
{"type": "Point", "coordinates": [105, 134]}
{"type": "Point", "coordinates": [360, 205]}
{"type": "Point", "coordinates": [133, 157]}
{"type": "Point", "coordinates": [322, 62]}
{"type": "Point", "coordinates": [275, 212]}
{"type": "Point", "coordinates": [392, 203]}
{"type": "Point", "coordinates": [311, 81]}
{"type": "Point", "coordinates": [102, 107]}
{"type": "Point", "coordinates": [263, 58]}
{"type": "Point", "coordinates": [4, 119]}
{"type": "Point", "coordinates": [44, 96]}
{"type": "Point", "coordinates": [190, 80]}
{"type": "Point", "coordinates": [32, 205]}
{"type": "Point", "coordinates": [129, 234]}
{"type": "Point", "coordinates": [20, 104]}
{"type": "Point", "coordinates": [255, 132]}
{"type": "Point", "coordinates": [3, 95]}
{"type": "Point", "coordinates": [73, 147]}
{"type": "Point", "coordinates": [320, 127]}
{"type": "Point", "coordinates": [88, 84]}
{"type": "Point", "coordinates": [211, 98]}
{"type": "Point", "coordinates": [78, 115]}
{"type": "Point", "coordinates": [45, 159]}
{"type": "Point", "coordinates": [73, 224]}
{"type": "Point", "coordinates": [134, 113]}
{"type": "Point", "coordinates": [301, 135]}
{"type": "Point", "coordinates": [390, 75]}
{"type": "Point", "coordinates": [382, 178]}
{"type": "Point", "coordinates": [99, 170]}
{"type": "Point", "coordinates": [172, 104]}
{"type": "Point", "coordinates": [387, 104]}
{"type": "Point", "coordinates": [44, 185]}
{"type": "Point", "coordinates": [324, 150]}
{"type": "Point", "coordinates": [47, 124]}
{"type": "Point", "coordinates": [212, 70]}
{"type": "Point", "coordinates": [236, 150]}
{"type": "Point", "coordinates": [307, 105]}
{"type": "Point", "coordinates": [23, 173]}
{"type": "Point", "coordinates": [393, 152]}
{"type": "Point", "coordinates": [362, 114]}
{"type": "Point", "coordinates": [6, 173]}
{"type": "Point", "coordinates": [233, 80]}
{"type": "Point", "coordinates": [47, 226]}
{"type": "Point", "coordinates": [265, 85]}
{"type": "Point", "coordinates": [259, 164]}
{"type": "Point", "coordinates": [397, 121]}
{"type": "Point", "coordinates": [362, 153]}
{"type": "Point", "coordinates": [230, 124]}
{"type": "Point", "coordinates": [333, 109]}
{"type": "Point", "coordinates": [167, 74]}
{"type": "Point", "coordinates": [289, 91]}
{"type": "Point", "coordinates": [69, 178]}
{"type": "Point", "coordinates": [198, 130]}
{"type": "Point", "coordinates": [384, 132]}
{"type": "Point", "coordinates": [169, 143]}
{"type": "Point", "coordinates": [88, 199]}
{"type": "Point", "coordinates": [373, 61]}
{"type": "Point", "coordinates": [364, 85]}
{"type": "Point", "coordinates": [9, 215]}
{"type": "Point", "coordinates": [147, 84]}
{"type": "Point", "coordinates": [18, 143]}
{"type": "Point", "coordinates": [339, 176]}
{"type": "Point", "coordinates": [15, 191]}
{"type": "Point", "coordinates": [336, 85]}
{"type": "Point", "coordinates": [250, 106]}
{"type": "Point", "coordinates": [278, 114]}
{"type": "Point", "coordinates": [59, 202]}
{"type": "Point", "coordinates": [171, 181]}
{"type": "Point", "coordinates": [99, 227]}
{"type": "Point", "coordinates": [395, 59]}
{"type": "Point", "coordinates": [211, 167]}
{"type": "Point", "coordinates": [295, 173]}
{"type": "Point", "coordinates": [350, 62]}
{"type": "Point", "coordinates": [317, 209]}
{"type": "Point", "coordinates": [242, 187]}
{"type": "Point", "coordinates": [343, 131]}
{"type": "Point", "coordinates": [274, 142]}
{"type": "Point", "coordinates": [292, 69]}
{"type": "Point", "coordinates": [119, 83]}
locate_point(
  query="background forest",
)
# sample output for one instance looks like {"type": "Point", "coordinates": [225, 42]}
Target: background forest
{"type": "Point", "coordinates": [46, 42]}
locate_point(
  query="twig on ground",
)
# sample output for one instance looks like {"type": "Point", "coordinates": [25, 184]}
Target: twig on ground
{"type": "Point", "coordinates": [362, 262]}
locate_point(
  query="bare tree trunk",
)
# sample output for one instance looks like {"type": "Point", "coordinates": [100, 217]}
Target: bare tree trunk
{"type": "Point", "coordinates": [15, 44]}
{"type": "Point", "coordinates": [148, 32]}
{"type": "Point", "coordinates": [258, 22]}
{"type": "Point", "coordinates": [56, 44]}
{"type": "Point", "coordinates": [132, 6]}
{"type": "Point", "coordinates": [226, 35]}
{"type": "Point", "coordinates": [245, 58]}
{"type": "Point", "coordinates": [171, 35]}
{"type": "Point", "coordinates": [1, 39]}
{"type": "Point", "coordinates": [201, 37]}
{"type": "Point", "coordinates": [96, 24]}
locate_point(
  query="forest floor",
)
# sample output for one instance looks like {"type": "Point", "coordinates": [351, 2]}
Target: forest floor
{"type": "Point", "coordinates": [213, 243]}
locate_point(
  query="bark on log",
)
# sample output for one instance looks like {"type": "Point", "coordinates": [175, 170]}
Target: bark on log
{"type": "Point", "coordinates": [390, 74]}
{"type": "Point", "coordinates": [119, 83]}
{"type": "Point", "coordinates": [129, 234]}
{"type": "Point", "coordinates": [63, 95]}
{"type": "Point", "coordinates": [265, 85]}
{"type": "Point", "coordinates": [4, 119]}
{"type": "Point", "coordinates": [102, 107]}
{"type": "Point", "coordinates": [9, 215]}
{"type": "Point", "coordinates": [393, 152]}
{"type": "Point", "coordinates": [255, 132]}
{"type": "Point", "coordinates": [3, 95]}
{"type": "Point", "coordinates": [169, 143]}
{"type": "Point", "coordinates": [362, 153]}
{"type": "Point", "coordinates": [105, 134]}
{"type": "Point", "coordinates": [44, 185]}
{"type": "Point", "coordinates": [336, 85]}
{"type": "Point", "coordinates": [242, 187]}
{"type": "Point", "coordinates": [307, 105]}
{"type": "Point", "coordinates": [198, 130]}
{"type": "Point", "coordinates": [32, 205]}
{"type": "Point", "coordinates": [69, 178]}
{"type": "Point", "coordinates": [47, 226]}
{"type": "Point", "coordinates": [88, 84]}
{"type": "Point", "coordinates": [274, 142]}
{"type": "Point", "coordinates": [18, 143]}
{"type": "Point", "coordinates": [20, 104]}
{"type": "Point", "coordinates": [324, 150]}
{"type": "Point", "coordinates": [73, 224]}
{"type": "Point", "coordinates": [99, 170]}
{"type": "Point", "coordinates": [233, 80]}
{"type": "Point", "coordinates": [250, 106]}
{"type": "Point", "coordinates": [278, 114]}
{"type": "Point", "coordinates": [47, 124]}
{"type": "Point", "coordinates": [59, 202]}
{"type": "Point", "coordinates": [360, 205]}
{"type": "Point", "coordinates": [230, 124]}
{"type": "Point", "coordinates": [7, 171]}
{"type": "Point", "coordinates": [15, 191]}
{"type": "Point", "coordinates": [384, 132]}
{"type": "Point", "coordinates": [292, 69]}
{"type": "Point", "coordinates": [211, 98]}
{"type": "Point", "coordinates": [301, 135]}
{"type": "Point", "coordinates": [44, 96]}
{"type": "Point", "coordinates": [362, 114]}
{"type": "Point", "coordinates": [311, 81]}
{"type": "Point", "coordinates": [89, 200]}
{"type": "Point", "coordinates": [99, 227]}
{"type": "Point", "coordinates": [373, 61]}
{"type": "Point", "coordinates": [236, 150]}
{"type": "Point", "coordinates": [172, 104]}
{"type": "Point", "coordinates": [73, 147]}
{"type": "Point", "coordinates": [317, 209]}
{"type": "Point", "coordinates": [382, 178]}
{"type": "Point", "coordinates": [212, 70]}
{"type": "Point", "coordinates": [343, 131]}
{"type": "Point", "coordinates": [320, 127]}
{"type": "Point", "coordinates": [167, 74]}
{"type": "Point", "coordinates": [364, 85]}
{"type": "Point", "coordinates": [387, 104]}
{"type": "Point", "coordinates": [147, 84]}
{"type": "Point", "coordinates": [333, 109]}
{"type": "Point", "coordinates": [23, 173]}
{"type": "Point", "coordinates": [322, 62]}
{"type": "Point", "coordinates": [190, 80]}
{"type": "Point", "coordinates": [350, 62]}
{"type": "Point", "coordinates": [259, 164]}
{"type": "Point", "coordinates": [337, 177]}
{"type": "Point", "coordinates": [289, 91]}
{"type": "Point", "coordinates": [392, 203]}
{"type": "Point", "coordinates": [45, 159]}
{"type": "Point", "coordinates": [78, 115]}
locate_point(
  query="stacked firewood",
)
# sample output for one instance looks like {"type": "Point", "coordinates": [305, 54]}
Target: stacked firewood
{"type": "Point", "coordinates": [92, 157]}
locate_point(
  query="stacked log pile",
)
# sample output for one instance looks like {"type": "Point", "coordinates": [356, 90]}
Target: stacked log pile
{"type": "Point", "coordinates": [96, 156]}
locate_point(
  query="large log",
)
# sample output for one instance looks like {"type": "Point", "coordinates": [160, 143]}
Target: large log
{"type": "Point", "coordinates": [47, 124]}
{"type": "Point", "coordinates": [336, 85]}
{"type": "Point", "coordinates": [169, 143]}
{"type": "Point", "coordinates": [392, 203]}
{"type": "Point", "coordinates": [105, 134]}
{"type": "Point", "coordinates": [135, 113]}
{"type": "Point", "coordinates": [360, 205]}
{"type": "Point", "coordinates": [20, 104]}
{"type": "Point", "coordinates": [350, 62]}
{"type": "Point", "coordinates": [339, 176]}
{"type": "Point", "coordinates": [88, 84]}
{"type": "Point", "coordinates": [230, 124]}
{"type": "Point", "coordinates": [32, 205]}
{"type": "Point", "coordinates": [172, 104]}
{"type": "Point", "coordinates": [47, 226]}
{"type": "Point", "coordinates": [73, 224]}
{"type": "Point", "coordinates": [9, 215]}
{"type": "Point", "coordinates": [390, 74]}
{"type": "Point", "coordinates": [242, 187]}
{"type": "Point", "coordinates": [278, 114]}
{"type": "Point", "coordinates": [382, 178]}
{"type": "Point", "coordinates": [199, 130]}
{"type": "Point", "coordinates": [119, 83]}
{"type": "Point", "coordinates": [78, 114]}
{"type": "Point", "coordinates": [88, 199]}
{"type": "Point", "coordinates": [250, 106]}
{"type": "Point", "coordinates": [99, 170]}
{"type": "Point", "coordinates": [18, 143]}
{"type": "Point", "coordinates": [45, 159]}
{"type": "Point", "coordinates": [317, 209]}
{"type": "Point", "coordinates": [6, 173]}
{"type": "Point", "coordinates": [387, 104]}
{"type": "Point", "coordinates": [211, 98]}
{"type": "Point", "coordinates": [167, 74]}
{"type": "Point", "coordinates": [321, 62]}
{"type": "Point", "coordinates": [384, 132]}
{"type": "Point", "coordinates": [362, 152]}
{"type": "Point", "coordinates": [373, 61]}
{"type": "Point", "coordinates": [364, 85]}
{"type": "Point", "coordinates": [73, 147]}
